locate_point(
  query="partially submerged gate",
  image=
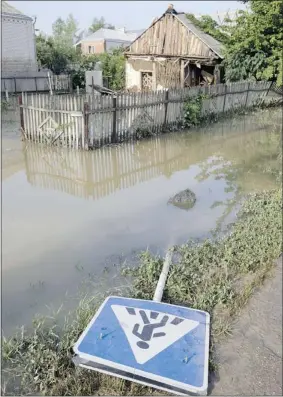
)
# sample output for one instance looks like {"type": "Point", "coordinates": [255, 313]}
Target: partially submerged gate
{"type": "Point", "coordinates": [53, 119]}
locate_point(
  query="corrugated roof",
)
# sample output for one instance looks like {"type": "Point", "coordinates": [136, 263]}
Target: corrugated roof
{"type": "Point", "coordinates": [110, 34]}
{"type": "Point", "coordinates": [137, 32]}
{"type": "Point", "coordinates": [10, 10]}
{"type": "Point", "coordinates": [210, 41]}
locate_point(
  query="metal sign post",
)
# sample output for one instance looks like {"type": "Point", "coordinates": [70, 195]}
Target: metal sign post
{"type": "Point", "coordinates": [149, 342]}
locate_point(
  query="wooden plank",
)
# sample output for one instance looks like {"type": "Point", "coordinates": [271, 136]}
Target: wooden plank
{"type": "Point", "coordinates": [21, 113]}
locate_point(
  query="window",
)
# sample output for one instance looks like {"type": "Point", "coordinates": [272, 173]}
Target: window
{"type": "Point", "coordinates": [91, 49]}
{"type": "Point", "coordinates": [146, 81]}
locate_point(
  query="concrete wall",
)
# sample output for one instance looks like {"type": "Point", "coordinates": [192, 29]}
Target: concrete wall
{"type": "Point", "coordinates": [18, 47]}
{"type": "Point", "coordinates": [134, 67]}
{"type": "Point", "coordinates": [37, 82]}
{"type": "Point", "coordinates": [97, 79]}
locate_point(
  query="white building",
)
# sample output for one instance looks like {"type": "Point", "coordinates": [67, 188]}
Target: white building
{"type": "Point", "coordinates": [18, 43]}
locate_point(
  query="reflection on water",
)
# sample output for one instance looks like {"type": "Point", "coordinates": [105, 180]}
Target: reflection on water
{"type": "Point", "coordinates": [68, 214]}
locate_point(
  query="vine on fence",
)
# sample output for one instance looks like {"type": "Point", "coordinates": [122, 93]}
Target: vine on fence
{"type": "Point", "coordinates": [4, 106]}
{"type": "Point", "coordinates": [193, 110]}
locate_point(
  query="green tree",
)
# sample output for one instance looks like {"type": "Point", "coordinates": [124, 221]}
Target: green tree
{"type": "Point", "coordinates": [98, 24]}
{"type": "Point", "coordinates": [45, 51]}
{"type": "Point", "coordinates": [65, 32]}
{"type": "Point", "coordinates": [57, 52]}
{"type": "Point", "coordinates": [112, 64]}
{"type": "Point", "coordinates": [209, 26]}
{"type": "Point", "coordinates": [254, 49]}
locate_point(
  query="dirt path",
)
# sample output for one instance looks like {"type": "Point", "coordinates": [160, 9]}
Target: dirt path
{"type": "Point", "coordinates": [251, 360]}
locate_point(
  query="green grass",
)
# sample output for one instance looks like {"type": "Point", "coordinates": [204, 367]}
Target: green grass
{"type": "Point", "coordinates": [218, 276]}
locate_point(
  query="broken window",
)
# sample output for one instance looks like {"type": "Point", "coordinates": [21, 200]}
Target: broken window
{"type": "Point", "coordinates": [146, 81]}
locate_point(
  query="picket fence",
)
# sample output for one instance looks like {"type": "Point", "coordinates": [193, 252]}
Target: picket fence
{"type": "Point", "coordinates": [91, 121]}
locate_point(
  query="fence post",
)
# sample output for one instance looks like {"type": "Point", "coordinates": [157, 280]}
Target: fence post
{"type": "Point", "coordinates": [22, 114]}
{"type": "Point", "coordinates": [71, 83]}
{"type": "Point", "coordinates": [248, 89]}
{"type": "Point", "coordinates": [267, 92]}
{"type": "Point", "coordinates": [15, 82]}
{"type": "Point", "coordinates": [114, 118]}
{"type": "Point", "coordinates": [86, 126]}
{"type": "Point", "coordinates": [35, 81]}
{"type": "Point", "coordinates": [166, 106]}
{"type": "Point", "coordinates": [224, 102]}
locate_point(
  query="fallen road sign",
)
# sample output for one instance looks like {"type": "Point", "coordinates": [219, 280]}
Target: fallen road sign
{"type": "Point", "coordinates": [156, 344]}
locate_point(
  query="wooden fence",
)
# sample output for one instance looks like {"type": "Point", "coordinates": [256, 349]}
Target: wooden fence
{"type": "Point", "coordinates": [91, 121]}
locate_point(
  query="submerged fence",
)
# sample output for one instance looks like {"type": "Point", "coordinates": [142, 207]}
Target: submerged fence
{"type": "Point", "coordinates": [90, 121]}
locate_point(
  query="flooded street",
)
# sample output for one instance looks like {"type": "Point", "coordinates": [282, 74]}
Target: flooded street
{"type": "Point", "coordinates": [69, 216]}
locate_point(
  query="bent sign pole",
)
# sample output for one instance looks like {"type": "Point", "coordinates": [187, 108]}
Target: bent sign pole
{"type": "Point", "coordinates": [149, 342]}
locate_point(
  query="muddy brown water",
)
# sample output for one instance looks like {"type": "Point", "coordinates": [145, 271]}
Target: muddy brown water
{"type": "Point", "coordinates": [71, 216]}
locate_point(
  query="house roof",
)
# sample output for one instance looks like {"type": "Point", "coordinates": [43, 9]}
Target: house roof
{"type": "Point", "coordinates": [110, 34]}
{"type": "Point", "coordinates": [7, 9]}
{"type": "Point", "coordinates": [210, 41]}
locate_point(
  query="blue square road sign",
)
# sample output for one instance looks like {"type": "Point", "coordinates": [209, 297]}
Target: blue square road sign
{"type": "Point", "coordinates": [156, 344]}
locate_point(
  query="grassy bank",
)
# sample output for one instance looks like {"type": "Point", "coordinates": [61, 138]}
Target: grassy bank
{"type": "Point", "coordinates": [217, 276]}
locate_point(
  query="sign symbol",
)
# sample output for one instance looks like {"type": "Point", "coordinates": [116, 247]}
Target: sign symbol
{"type": "Point", "coordinates": [150, 332]}
{"type": "Point", "coordinates": [146, 333]}
{"type": "Point", "coordinates": [147, 330]}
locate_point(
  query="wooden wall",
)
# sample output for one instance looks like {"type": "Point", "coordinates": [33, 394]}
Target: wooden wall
{"type": "Point", "coordinates": [169, 37]}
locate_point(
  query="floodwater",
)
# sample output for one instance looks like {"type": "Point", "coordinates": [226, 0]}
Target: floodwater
{"type": "Point", "coordinates": [69, 216]}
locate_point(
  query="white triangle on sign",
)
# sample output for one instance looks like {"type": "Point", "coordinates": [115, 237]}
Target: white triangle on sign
{"type": "Point", "coordinates": [150, 332]}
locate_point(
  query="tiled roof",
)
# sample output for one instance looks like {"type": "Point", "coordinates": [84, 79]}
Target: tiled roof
{"type": "Point", "coordinates": [10, 10]}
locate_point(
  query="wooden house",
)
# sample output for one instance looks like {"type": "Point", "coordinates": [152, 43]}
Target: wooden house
{"type": "Point", "coordinates": [172, 53]}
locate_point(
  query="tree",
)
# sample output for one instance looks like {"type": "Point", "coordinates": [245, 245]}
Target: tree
{"type": "Point", "coordinates": [45, 51]}
{"type": "Point", "coordinates": [98, 24]}
{"type": "Point", "coordinates": [254, 50]}
{"type": "Point", "coordinates": [65, 32]}
{"type": "Point", "coordinates": [57, 52]}
{"type": "Point", "coordinates": [113, 68]}
{"type": "Point", "coordinates": [209, 26]}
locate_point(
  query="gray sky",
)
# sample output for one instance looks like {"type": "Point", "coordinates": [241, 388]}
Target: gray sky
{"type": "Point", "coordinates": [128, 14]}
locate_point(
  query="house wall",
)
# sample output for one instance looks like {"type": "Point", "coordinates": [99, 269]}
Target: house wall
{"type": "Point", "coordinates": [134, 67]}
{"type": "Point", "coordinates": [170, 37]}
{"type": "Point", "coordinates": [100, 46]}
{"type": "Point", "coordinates": [18, 47]}
{"type": "Point", "coordinates": [97, 47]}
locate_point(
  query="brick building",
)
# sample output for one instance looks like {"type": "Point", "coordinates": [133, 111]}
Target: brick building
{"type": "Point", "coordinates": [18, 43]}
{"type": "Point", "coordinates": [104, 40]}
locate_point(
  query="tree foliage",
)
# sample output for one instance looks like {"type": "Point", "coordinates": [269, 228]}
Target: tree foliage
{"type": "Point", "coordinates": [209, 26]}
{"type": "Point", "coordinates": [99, 23]}
{"type": "Point", "coordinates": [112, 65]}
{"type": "Point", "coordinates": [253, 42]}
{"type": "Point", "coordinates": [254, 49]}
{"type": "Point", "coordinates": [57, 52]}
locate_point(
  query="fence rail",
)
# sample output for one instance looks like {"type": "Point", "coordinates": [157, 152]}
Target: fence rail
{"type": "Point", "coordinates": [90, 121]}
